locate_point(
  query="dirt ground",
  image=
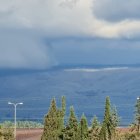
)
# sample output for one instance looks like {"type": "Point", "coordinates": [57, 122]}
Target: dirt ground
{"type": "Point", "coordinates": [29, 134]}
{"type": "Point", "coordinates": [35, 134]}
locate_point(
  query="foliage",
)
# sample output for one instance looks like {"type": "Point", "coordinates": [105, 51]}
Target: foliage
{"type": "Point", "coordinates": [107, 129]}
{"type": "Point", "coordinates": [115, 119]}
{"type": "Point", "coordinates": [71, 130]}
{"type": "Point", "coordinates": [6, 134]}
{"type": "Point", "coordinates": [83, 129]}
{"type": "Point", "coordinates": [22, 124]}
{"type": "Point", "coordinates": [129, 136]}
{"type": "Point", "coordinates": [55, 128]}
{"type": "Point", "coordinates": [95, 123]}
{"type": "Point", "coordinates": [54, 122]}
{"type": "Point", "coordinates": [95, 129]}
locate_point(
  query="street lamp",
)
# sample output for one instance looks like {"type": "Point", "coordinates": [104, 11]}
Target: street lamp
{"type": "Point", "coordinates": [15, 115]}
{"type": "Point", "coordinates": [138, 113]}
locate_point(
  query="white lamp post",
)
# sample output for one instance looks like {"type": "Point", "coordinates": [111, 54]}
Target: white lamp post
{"type": "Point", "coordinates": [15, 115]}
{"type": "Point", "coordinates": [138, 113]}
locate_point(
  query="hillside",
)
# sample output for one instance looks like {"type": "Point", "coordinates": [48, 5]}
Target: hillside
{"type": "Point", "coordinates": [84, 88]}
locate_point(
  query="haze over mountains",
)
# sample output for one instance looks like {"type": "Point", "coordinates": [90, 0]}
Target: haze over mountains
{"type": "Point", "coordinates": [37, 35]}
{"type": "Point", "coordinates": [84, 87]}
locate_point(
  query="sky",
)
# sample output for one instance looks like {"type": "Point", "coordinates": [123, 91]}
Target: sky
{"type": "Point", "coordinates": [38, 34]}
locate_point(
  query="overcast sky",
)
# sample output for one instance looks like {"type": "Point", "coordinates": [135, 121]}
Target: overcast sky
{"type": "Point", "coordinates": [42, 33]}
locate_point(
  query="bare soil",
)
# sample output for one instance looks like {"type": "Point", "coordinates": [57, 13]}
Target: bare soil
{"type": "Point", "coordinates": [29, 134]}
{"type": "Point", "coordinates": [35, 134]}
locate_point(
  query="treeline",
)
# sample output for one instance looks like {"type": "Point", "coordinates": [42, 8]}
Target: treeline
{"type": "Point", "coordinates": [22, 124]}
{"type": "Point", "coordinates": [56, 129]}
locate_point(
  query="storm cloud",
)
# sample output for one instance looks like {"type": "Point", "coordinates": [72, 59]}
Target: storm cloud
{"type": "Point", "coordinates": [117, 10]}
{"type": "Point", "coordinates": [23, 49]}
{"type": "Point", "coordinates": [29, 30]}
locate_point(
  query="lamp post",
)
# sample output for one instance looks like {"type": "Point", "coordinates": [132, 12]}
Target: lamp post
{"type": "Point", "coordinates": [15, 115]}
{"type": "Point", "coordinates": [138, 113]}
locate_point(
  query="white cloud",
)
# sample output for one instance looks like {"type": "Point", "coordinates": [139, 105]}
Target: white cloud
{"type": "Point", "coordinates": [124, 29]}
{"type": "Point", "coordinates": [69, 17]}
{"type": "Point", "coordinates": [53, 16]}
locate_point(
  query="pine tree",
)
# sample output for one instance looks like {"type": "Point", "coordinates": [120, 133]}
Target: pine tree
{"type": "Point", "coordinates": [83, 128]}
{"type": "Point", "coordinates": [107, 126]}
{"type": "Point", "coordinates": [71, 130]}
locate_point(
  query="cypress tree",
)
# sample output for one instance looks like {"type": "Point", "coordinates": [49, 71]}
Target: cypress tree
{"type": "Point", "coordinates": [71, 130]}
{"type": "Point", "coordinates": [63, 104]}
{"type": "Point", "coordinates": [63, 111]}
{"type": "Point", "coordinates": [54, 121]}
{"type": "Point", "coordinates": [95, 123]}
{"type": "Point", "coordinates": [95, 129]}
{"type": "Point", "coordinates": [83, 128]}
{"type": "Point", "coordinates": [107, 126]}
{"type": "Point", "coordinates": [114, 117]}
{"type": "Point", "coordinates": [61, 115]}
{"type": "Point", "coordinates": [51, 123]}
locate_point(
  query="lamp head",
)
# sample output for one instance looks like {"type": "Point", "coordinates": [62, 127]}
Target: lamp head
{"type": "Point", "coordinates": [15, 103]}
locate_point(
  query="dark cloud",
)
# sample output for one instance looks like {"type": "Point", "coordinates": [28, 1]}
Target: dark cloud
{"type": "Point", "coordinates": [116, 10]}
{"type": "Point", "coordinates": [23, 49]}
{"type": "Point", "coordinates": [97, 51]}
{"type": "Point", "coordinates": [70, 28]}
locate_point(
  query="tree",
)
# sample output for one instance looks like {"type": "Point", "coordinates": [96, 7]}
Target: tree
{"type": "Point", "coordinates": [95, 129]}
{"type": "Point", "coordinates": [61, 116]}
{"type": "Point", "coordinates": [83, 128]}
{"type": "Point", "coordinates": [62, 112]}
{"type": "Point", "coordinates": [6, 133]}
{"type": "Point", "coordinates": [71, 130]}
{"type": "Point", "coordinates": [95, 123]}
{"type": "Point", "coordinates": [137, 114]}
{"type": "Point", "coordinates": [1, 136]}
{"type": "Point", "coordinates": [54, 121]}
{"type": "Point", "coordinates": [114, 117]}
{"type": "Point", "coordinates": [51, 123]}
{"type": "Point", "coordinates": [107, 126]}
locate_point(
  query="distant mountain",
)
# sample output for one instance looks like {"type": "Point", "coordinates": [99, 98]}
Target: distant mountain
{"type": "Point", "coordinates": [85, 87]}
